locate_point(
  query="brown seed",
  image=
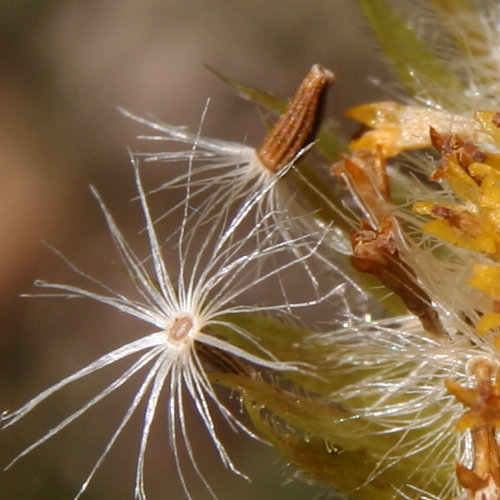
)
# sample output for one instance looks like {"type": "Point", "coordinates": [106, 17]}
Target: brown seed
{"type": "Point", "coordinates": [296, 126]}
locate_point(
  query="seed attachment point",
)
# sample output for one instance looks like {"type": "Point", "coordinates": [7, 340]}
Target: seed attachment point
{"type": "Point", "coordinates": [179, 328]}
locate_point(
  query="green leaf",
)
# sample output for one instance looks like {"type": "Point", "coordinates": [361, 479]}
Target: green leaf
{"type": "Point", "coordinates": [414, 63]}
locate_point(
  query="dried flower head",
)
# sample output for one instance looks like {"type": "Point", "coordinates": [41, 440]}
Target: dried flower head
{"type": "Point", "coordinates": [444, 270]}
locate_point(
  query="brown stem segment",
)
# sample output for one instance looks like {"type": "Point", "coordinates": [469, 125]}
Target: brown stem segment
{"type": "Point", "coordinates": [296, 126]}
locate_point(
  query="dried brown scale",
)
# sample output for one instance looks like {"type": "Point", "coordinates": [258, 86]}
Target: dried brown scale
{"type": "Point", "coordinates": [375, 252]}
{"type": "Point", "coordinates": [460, 219]}
{"type": "Point", "coordinates": [483, 418]}
{"type": "Point", "coordinates": [465, 153]}
{"type": "Point", "coordinates": [296, 126]}
{"type": "Point", "coordinates": [375, 249]}
{"type": "Point", "coordinates": [444, 143]}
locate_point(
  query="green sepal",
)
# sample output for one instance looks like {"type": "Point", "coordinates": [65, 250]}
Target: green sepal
{"type": "Point", "coordinates": [465, 24]}
{"type": "Point", "coordinates": [318, 371]}
{"type": "Point", "coordinates": [264, 99]}
{"type": "Point", "coordinates": [415, 64]}
{"type": "Point", "coordinates": [331, 444]}
{"type": "Point", "coordinates": [330, 143]}
{"type": "Point", "coordinates": [287, 341]}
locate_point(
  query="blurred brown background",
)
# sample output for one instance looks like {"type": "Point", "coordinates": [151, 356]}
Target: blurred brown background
{"type": "Point", "coordinates": [64, 68]}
